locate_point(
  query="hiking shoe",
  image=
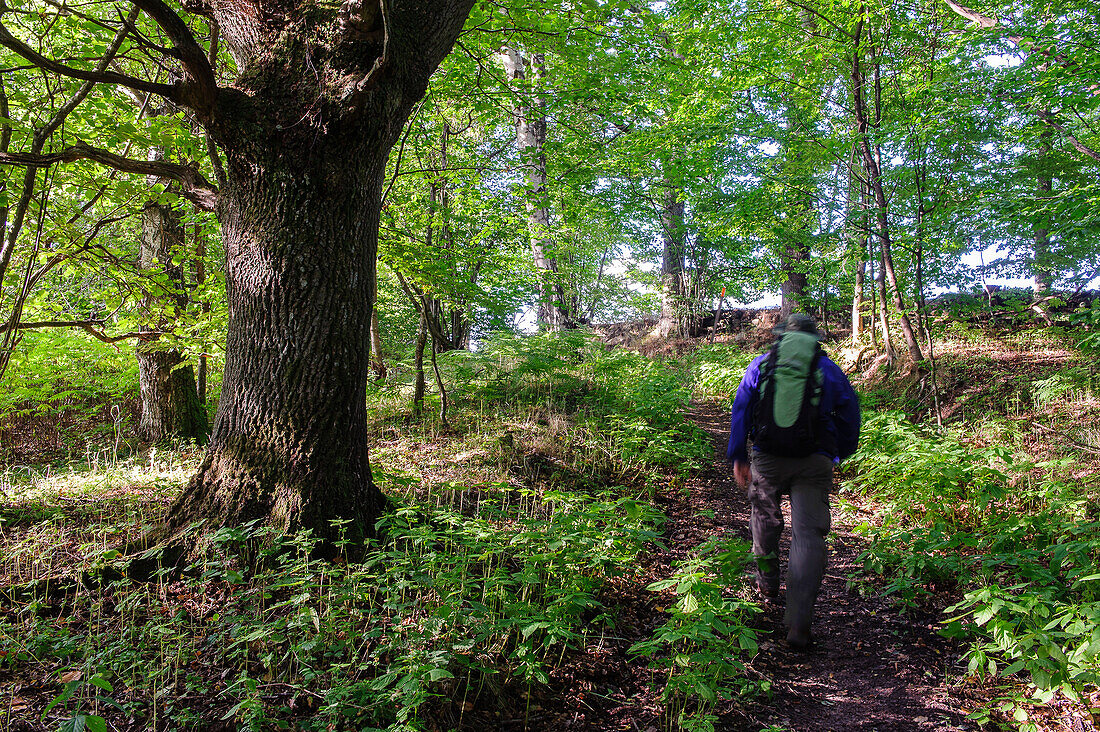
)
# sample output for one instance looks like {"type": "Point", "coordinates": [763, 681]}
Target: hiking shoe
{"type": "Point", "coordinates": [799, 637]}
{"type": "Point", "coordinates": [768, 595]}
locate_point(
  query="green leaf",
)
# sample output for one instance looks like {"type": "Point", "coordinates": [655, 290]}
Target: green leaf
{"type": "Point", "coordinates": [102, 683]}
{"type": "Point", "coordinates": [61, 698]}
{"type": "Point", "coordinates": [81, 722]}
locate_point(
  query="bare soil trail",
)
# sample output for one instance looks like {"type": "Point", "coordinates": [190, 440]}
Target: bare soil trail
{"type": "Point", "coordinates": [871, 668]}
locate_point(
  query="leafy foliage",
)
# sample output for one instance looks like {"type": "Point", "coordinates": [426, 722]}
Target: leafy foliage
{"type": "Point", "coordinates": [1017, 542]}
{"type": "Point", "coordinates": [697, 649]}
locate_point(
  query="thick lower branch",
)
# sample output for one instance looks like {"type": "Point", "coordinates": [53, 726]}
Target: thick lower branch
{"type": "Point", "coordinates": [195, 187]}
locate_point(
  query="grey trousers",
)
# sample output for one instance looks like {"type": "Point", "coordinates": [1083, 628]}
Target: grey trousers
{"type": "Point", "coordinates": [808, 480]}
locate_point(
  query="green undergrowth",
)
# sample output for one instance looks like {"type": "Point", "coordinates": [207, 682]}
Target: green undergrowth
{"type": "Point", "coordinates": [482, 583]}
{"type": "Point", "coordinates": [442, 605]}
{"type": "Point", "coordinates": [67, 397]}
{"type": "Point", "coordinates": [1015, 541]}
{"type": "Point", "coordinates": [617, 411]}
{"type": "Point", "coordinates": [717, 369]}
{"type": "Point", "coordinates": [696, 654]}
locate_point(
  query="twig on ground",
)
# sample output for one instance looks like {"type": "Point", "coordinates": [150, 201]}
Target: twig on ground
{"type": "Point", "coordinates": [1067, 438]}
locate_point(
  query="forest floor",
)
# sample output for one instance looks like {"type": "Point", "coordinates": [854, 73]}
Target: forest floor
{"type": "Point", "coordinates": [872, 668]}
{"type": "Point", "coordinates": [875, 666]}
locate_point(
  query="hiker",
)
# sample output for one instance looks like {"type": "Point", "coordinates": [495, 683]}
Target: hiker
{"type": "Point", "coordinates": [803, 417]}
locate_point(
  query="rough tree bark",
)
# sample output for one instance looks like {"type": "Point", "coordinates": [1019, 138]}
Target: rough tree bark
{"type": "Point", "coordinates": [306, 134]}
{"type": "Point", "coordinates": [322, 94]}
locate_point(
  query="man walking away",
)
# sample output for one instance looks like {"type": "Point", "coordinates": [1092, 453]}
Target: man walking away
{"type": "Point", "coordinates": [802, 415]}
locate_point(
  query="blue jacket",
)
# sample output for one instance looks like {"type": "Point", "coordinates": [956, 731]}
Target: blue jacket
{"type": "Point", "coordinates": [839, 405]}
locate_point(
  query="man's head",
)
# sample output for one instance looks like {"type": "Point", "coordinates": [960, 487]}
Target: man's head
{"type": "Point", "coordinates": [798, 322]}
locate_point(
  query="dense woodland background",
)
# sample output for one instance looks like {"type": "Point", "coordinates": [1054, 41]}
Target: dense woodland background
{"type": "Point", "coordinates": [508, 252]}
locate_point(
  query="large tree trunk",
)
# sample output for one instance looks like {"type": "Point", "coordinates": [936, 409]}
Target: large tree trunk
{"type": "Point", "coordinates": [299, 210]}
{"type": "Point", "coordinates": [290, 437]}
{"type": "Point", "coordinates": [674, 322]}
{"type": "Point", "coordinates": [170, 404]}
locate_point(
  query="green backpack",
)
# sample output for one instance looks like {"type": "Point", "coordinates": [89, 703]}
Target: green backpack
{"type": "Point", "coordinates": [786, 417]}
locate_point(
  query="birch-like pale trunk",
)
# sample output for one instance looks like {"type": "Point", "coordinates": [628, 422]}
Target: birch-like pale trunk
{"type": "Point", "coordinates": [530, 119]}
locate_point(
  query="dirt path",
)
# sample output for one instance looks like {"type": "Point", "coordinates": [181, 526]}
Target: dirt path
{"type": "Point", "coordinates": [872, 669]}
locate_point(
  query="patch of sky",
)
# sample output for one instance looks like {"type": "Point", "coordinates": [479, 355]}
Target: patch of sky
{"type": "Point", "coordinates": [1003, 60]}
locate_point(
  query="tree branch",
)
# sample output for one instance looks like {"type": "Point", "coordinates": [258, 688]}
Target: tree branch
{"type": "Point", "coordinates": [1052, 121]}
{"type": "Point", "coordinates": [90, 326]}
{"type": "Point", "coordinates": [201, 93]}
{"type": "Point", "coordinates": [13, 44]}
{"type": "Point", "coordinates": [195, 186]}
{"type": "Point", "coordinates": [973, 16]}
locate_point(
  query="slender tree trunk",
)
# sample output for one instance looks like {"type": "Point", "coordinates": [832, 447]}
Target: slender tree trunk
{"type": "Point", "coordinates": [874, 174]}
{"type": "Point", "coordinates": [884, 309]}
{"type": "Point", "coordinates": [530, 118]}
{"type": "Point", "coordinates": [799, 171]}
{"type": "Point", "coordinates": [873, 276]}
{"type": "Point", "coordinates": [857, 299]}
{"type": "Point", "coordinates": [443, 405]}
{"type": "Point", "coordinates": [856, 246]}
{"type": "Point", "coordinates": [418, 367]}
{"type": "Point", "coordinates": [1041, 270]}
{"type": "Point", "coordinates": [170, 405]}
{"type": "Point", "coordinates": [378, 362]}
{"type": "Point", "coordinates": [919, 177]}
{"type": "Point", "coordinates": [881, 301]}
{"type": "Point", "coordinates": [449, 325]}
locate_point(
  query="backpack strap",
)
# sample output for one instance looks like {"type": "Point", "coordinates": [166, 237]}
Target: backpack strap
{"type": "Point", "coordinates": [767, 369]}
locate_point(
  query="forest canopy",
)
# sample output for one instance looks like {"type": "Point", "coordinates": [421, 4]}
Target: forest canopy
{"type": "Point", "coordinates": [367, 364]}
{"type": "Point", "coordinates": [273, 205]}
